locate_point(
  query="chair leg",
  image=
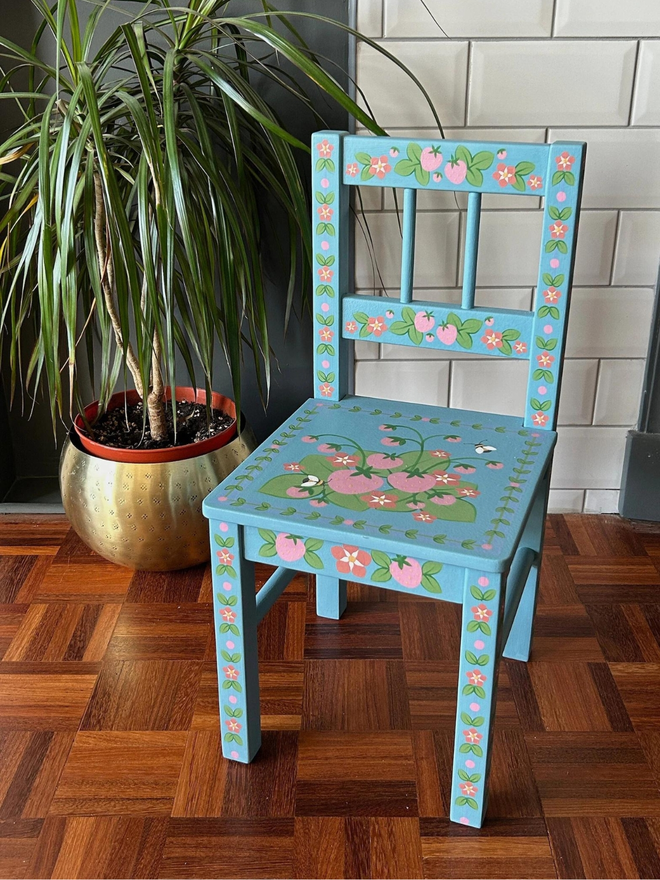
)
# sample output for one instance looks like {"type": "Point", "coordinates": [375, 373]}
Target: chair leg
{"type": "Point", "coordinates": [330, 597]}
{"type": "Point", "coordinates": [519, 643]}
{"type": "Point", "coordinates": [483, 607]}
{"type": "Point", "coordinates": [235, 618]}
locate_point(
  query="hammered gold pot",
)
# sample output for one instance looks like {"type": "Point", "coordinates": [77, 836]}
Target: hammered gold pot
{"type": "Point", "coordinates": [145, 516]}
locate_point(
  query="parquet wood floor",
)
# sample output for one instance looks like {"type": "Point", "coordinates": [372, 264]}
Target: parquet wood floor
{"type": "Point", "coordinates": [110, 759]}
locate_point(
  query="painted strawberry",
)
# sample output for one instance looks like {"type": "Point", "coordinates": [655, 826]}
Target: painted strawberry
{"type": "Point", "coordinates": [411, 481]}
{"type": "Point", "coordinates": [424, 321]}
{"type": "Point", "coordinates": [447, 334]}
{"type": "Point", "coordinates": [289, 547]}
{"type": "Point", "coordinates": [431, 158]}
{"type": "Point", "coordinates": [455, 170]}
{"type": "Point", "coordinates": [354, 482]}
{"type": "Point", "coordinates": [383, 461]}
{"type": "Point", "coordinates": [406, 571]}
{"type": "Point", "coordinates": [444, 500]}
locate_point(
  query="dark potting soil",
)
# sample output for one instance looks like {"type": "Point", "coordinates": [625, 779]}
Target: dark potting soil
{"type": "Point", "coordinates": [122, 427]}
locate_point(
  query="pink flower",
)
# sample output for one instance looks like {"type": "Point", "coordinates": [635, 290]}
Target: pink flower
{"type": "Point", "coordinates": [343, 460]}
{"type": "Point", "coordinates": [351, 326]}
{"type": "Point", "coordinates": [421, 516]}
{"type": "Point", "coordinates": [469, 493]}
{"type": "Point", "coordinates": [326, 389]}
{"type": "Point", "coordinates": [233, 725]}
{"type": "Point", "coordinates": [520, 347]}
{"type": "Point", "coordinates": [325, 273]}
{"type": "Point", "coordinates": [440, 453]}
{"type": "Point", "coordinates": [351, 560]}
{"type": "Point", "coordinates": [545, 359]}
{"type": "Point", "coordinates": [558, 229]}
{"type": "Point", "coordinates": [326, 335]}
{"type": "Point", "coordinates": [468, 789]}
{"type": "Point", "coordinates": [377, 326]}
{"type": "Point", "coordinates": [535, 182]}
{"type": "Point", "coordinates": [379, 500]}
{"type": "Point", "coordinates": [481, 612]}
{"type": "Point", "coordinates": [492, 339]}
{"type": "Point", "coordinates": [325, 212]}
{"type": "Point", "coordinates": [476, 678]}
{"type": "Point", "coordinates": [292, 466]}
{"type": "Point", "coordinates": [228, 615]}
{"type": "Point", "coordinates": [324, 148]}
{"type": "Point", "coordinates": [565, 161]}
{"type": "Point", "coordinates": [379, 166]}
{"type": "Point", "coordinates": [472, 736]}
{"type": "Point", "coordinates": [551, 295]}
{"type": "Point", "coordinates": [231, 673]}
{"type": "Point", "coordinates": [225, 557]}
{"type": "Point", "coordinates": [540, 418]}
{"type": "Point", "coordinates": [352, 169]}
{"type": "Point", "coordinates": [504, 174]}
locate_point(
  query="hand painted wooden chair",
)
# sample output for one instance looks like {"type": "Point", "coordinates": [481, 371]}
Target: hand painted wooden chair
{"type": "Point", "coordinates": [443, 503]}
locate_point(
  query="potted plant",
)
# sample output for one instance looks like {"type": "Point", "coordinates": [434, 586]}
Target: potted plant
{"type": "Point", "coordinates": [131, 242]}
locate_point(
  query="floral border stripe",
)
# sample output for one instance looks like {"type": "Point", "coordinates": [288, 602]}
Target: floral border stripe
{"type": "Point", "coordinates": [437, 326]}
{"type": "Point", "coordinates": [560, 218]}
{"type": "Point", "coordinates": [446, 165]}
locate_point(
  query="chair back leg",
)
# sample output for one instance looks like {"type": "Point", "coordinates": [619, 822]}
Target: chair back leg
{"type": "Point", "coordinates": [519, 642]}
{"type": "Point", "coordinates": [483, 610]}
{"type": "Point", "coordinates": [330, 597]}
{"type": "Point", "coordinates": [235, 621]}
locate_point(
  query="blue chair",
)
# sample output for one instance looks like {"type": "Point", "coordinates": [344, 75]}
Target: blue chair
{"type": "Point", "coordinates": [437, 502]}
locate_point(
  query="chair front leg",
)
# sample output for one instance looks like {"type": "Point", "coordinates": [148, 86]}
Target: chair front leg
{"type": "Point", "coordinates": [483, 607]}
{"type": "Point", "coordinates": [235, 618]}
{"type": "Point", "coordinates": [330, 597]}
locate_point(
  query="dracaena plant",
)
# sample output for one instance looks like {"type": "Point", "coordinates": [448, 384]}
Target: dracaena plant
{"type": "Point", "coordinates": [131, 222]}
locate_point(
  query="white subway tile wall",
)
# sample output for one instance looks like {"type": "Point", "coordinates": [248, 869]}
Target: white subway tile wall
{"type": "Point", "coordinates": [536, 71]}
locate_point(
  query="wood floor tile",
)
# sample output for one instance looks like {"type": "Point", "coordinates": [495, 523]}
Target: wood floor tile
{"type": "Point", "coordinates": [84, 582]}
{"type": "Point", "coordinates": [564, 633]}
{"type": "Point", "coordinates": [251, 848]}
{"type": "Point", "coordinates": [31, 763]}
{"type": "Point", "coordinates": [63, 631]}
{"type": "Point", "coordinates": [42, 701]}
{"type": "Point", "coordinates": [430, 630]}
{"type": "Point", "coordinates": [18, 840]}
{"type": "Point", "coordinates": [355, 695]}
{"type": "Point", "coordinates": [162, 631]}
{"type": "Point", "coordinates": [99, 847]}
{"type": "Point", "coordinates": [11, 618]}
{"type": "Point", "coordinates": [127, 772]}
{"type": "Point", "coordinates": [366, 631]}
{"type": "Point", "coordinates": [14, 570]}
{"type": "Point", "coordinates": [281, 634]}
{"type": "Point", "coordinates": [603, 848]}
{"type": "Point", "coordinates": [355, 774]}
{"type": "Point", "coordinates": [592, 775]}
{"type": "Point", "coordinates": [556, 586]}
{"type": "Point", "coordinates": [504, 848]}
{"type": "Point", "coordinates": [156, 587]}
{"type": "Point", "coordinates": [639, 686]}
{"type": "Point", "coordinates": [319, 844]}
{"type": "Point", "coordinates": [144, 695]}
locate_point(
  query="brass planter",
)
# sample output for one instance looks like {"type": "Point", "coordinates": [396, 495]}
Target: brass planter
{"type": "Point", "coordinates": [145, 516]}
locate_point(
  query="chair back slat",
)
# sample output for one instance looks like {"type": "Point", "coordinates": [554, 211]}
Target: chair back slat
{"type": "Point", "coordinates": [552, 170]}
{"type": "Point", "coordinates": [408, 244]}
{"type": "Point", "coordinates": [471, 249]}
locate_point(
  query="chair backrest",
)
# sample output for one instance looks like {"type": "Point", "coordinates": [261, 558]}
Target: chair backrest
{"type": "Point", "coordinates": [555, 171]}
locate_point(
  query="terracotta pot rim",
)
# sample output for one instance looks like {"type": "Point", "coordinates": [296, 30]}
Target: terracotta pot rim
{"type": "Point", "coordinates": [169, 453]}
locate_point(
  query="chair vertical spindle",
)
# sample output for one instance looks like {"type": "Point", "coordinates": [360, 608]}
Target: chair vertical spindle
{"type": "Point", "coordinates": [471, 248]}
{"type": "Point", "coordinates": [408, 245]}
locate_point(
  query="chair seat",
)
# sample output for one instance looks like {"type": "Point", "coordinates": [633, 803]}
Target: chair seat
{"type": "Point", "coordinates": [453, 484]}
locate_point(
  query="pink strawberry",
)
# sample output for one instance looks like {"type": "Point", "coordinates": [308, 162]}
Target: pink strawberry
{"type": "Point", "coordinates": [385, 462]}
{"type": "Point", "coordinates": [447, 334]}
{"type": "Point", "coordinates": [411, 482]}
{"type": "Point", "coordinates": [431, 158]}
{"type": "Point", "coordinates": [351, 482]}
{"type": "Point", "coordinates": [444, 500]}
{"type": "Point", "coordinates": [455, 170]}
{"type": "Point", "coordinates": [424, 321]}
{"type": "Point", "coordinates": [406, 571]}
{"type": "Point", "coordinates": [289, 547]}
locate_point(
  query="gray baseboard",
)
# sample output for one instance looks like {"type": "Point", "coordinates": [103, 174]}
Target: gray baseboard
{"type": "Point", "coordinates": [640, 487]}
